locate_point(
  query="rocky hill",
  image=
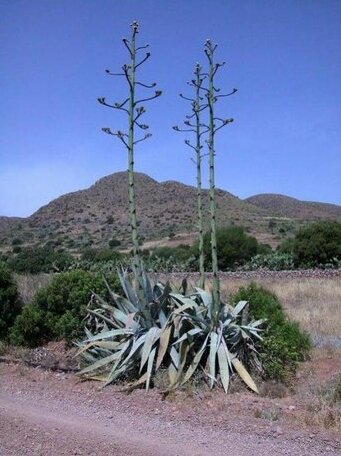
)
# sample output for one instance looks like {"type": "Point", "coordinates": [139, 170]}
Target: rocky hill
{"type": "Point", "coordinates": [285, 206]}
{"type": "Point", "coordinates": [99, 214]}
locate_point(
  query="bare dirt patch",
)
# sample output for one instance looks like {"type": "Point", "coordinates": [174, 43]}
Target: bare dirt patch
{"type": "Point", "coordinates": [53, 413]}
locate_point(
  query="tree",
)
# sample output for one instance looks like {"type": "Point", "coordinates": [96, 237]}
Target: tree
{"type": "Point", "coordinates": [9, 300]}
{"type": "Point", "coordinates": [233, 245]}
{"type": "Point", "coordinates": [317, 244]}
{"type": "Point", "coordinates": [134, 109]}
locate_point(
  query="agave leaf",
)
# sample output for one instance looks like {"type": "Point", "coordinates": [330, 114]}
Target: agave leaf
{"type": "Point", "coordinates": [212, 357]}
{"type": "Point", "coordinates": [136, 345]}
{"type": "Point", "coordinates": [205, 296]}
{"type": "Point", "coordinates": [255, 324]}
{"type": "Point", "coordinates": [89, 357]}
{"type": "Point", "coordinates": [183, 352]}
{"type": "Point", "coordinates": [134, 385]}
{"type": "Point", "coordinates": [164, 341]}
{"type": "Point", "coordinates": [229, 355]}
{"type": "Point", "coordinates": [148, 288]}
{"type": "Point", "coordinates": [114, 375]}
{"type": "Point", "coordinates": [172, 374]}
{"type": "Point", "coordinates": [108, 334]}
{"type": "Point", "coordinates": [88, 333]}
{"type": "Point", "coordinates": [98, 364]}
{"type": "Point", "coordinates": [239, 307]}
{"type": "Point", "coordinates": [183, 300]}
{"type": "Point", "coordinates": [244, 375]}
{"type": "Point", "coordinates": [114, 298]}
{"type": "Point", "coordinates": [117, 369]}
{"type": "Point", "coordinates": [189, 305]}
{"type": "Point", "coordinates": [224, 369]}
{"type": "Point", "coordinates": [194, 364]}
{"type": "Point", "coordinates": [129, 291]}
{"type": "Point", "coordinates": [162, 318]}
{"type": "Point", "coordinates": [150, 367]}
{"type": "Point", "coordinates": [98, 378]}
{"type": "Point", "coordinates": [130, 323]}
{"type": "Point", "coordinates": [187, 335]}
{"type": "Point", "coordinates": [110, 345]}
{"type": "Point", "coordinates": [174, 354]}
{"type": "Point", "coordinates": [151, 336]}
{"type": "Point", "coordinates": [105, 319]}
{"type": "Point", "coordinates": [124, 304]}
{"type": "Point", "coordinates": [255, 334]}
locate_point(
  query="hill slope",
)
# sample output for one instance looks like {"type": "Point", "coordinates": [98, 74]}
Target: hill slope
{"type": "Point", "coordinates": [286, 206]}
{"type": "Point", "coordinates": [98, 214]}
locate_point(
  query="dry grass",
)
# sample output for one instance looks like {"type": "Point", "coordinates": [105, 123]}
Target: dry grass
{"type": "Point", "coordinates": [322, 403]}
{"type": "Point", "coordinates": [28, 284]}
{"type": "Point", "coordinates": [314, 303]}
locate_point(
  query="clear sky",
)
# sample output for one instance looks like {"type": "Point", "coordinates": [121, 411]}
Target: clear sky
{"type": "Point", "coordinates": [283, 56]}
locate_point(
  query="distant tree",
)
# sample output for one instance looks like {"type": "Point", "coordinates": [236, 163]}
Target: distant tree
{"type": "Point", "coordinates": [40, 259]}
{"type": "Point", "coordinates": [234, 247]}
{"type": "Point", "coordinates": [9, 300]}
{"type": "Point", "coordinates": [317, 244]}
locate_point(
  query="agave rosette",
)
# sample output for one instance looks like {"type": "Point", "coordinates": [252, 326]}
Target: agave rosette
{"type": "Point", "coordinates": [133, 336]}
{"type": "Point", "coordinates": [213, 340]}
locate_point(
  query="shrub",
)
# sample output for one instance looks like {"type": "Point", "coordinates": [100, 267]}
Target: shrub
{"type": "Point", "coordinates": [318, 244]}
{"type": "Point", "coordinates": [284, 344]}
{"type": "Point", "coordinates": [100, 255]}
{"type": "Point", "coordinates": [9, 300]}
{"type": "Point", "coordinates": [114, 243]}
{"type": "Point", "coordinates": [57, 310]}
{"type": "Point", "coordinates": [16, 241]}
{"type": "Point", "coordinates": [274, 261]}
{"type": "Point", "coordinates": [234, 247]}
{"type": "Point", "coordinates": [286, 246]}
{"type": "Point", "coordinates": [40, 259]}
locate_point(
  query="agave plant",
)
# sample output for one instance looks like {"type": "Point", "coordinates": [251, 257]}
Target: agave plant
{"type": "Point", "coordinates": [215, 343]}
{"type": "Point", "coordinates": [133, 336]}
{"type": "Point", "coordinates": [125, 330]}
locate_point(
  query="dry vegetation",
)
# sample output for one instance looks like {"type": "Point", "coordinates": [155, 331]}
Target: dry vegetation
{"type": "Point", "coordinates": [314, 303]}
{"type": "Point", "coordinates": [28, 284]}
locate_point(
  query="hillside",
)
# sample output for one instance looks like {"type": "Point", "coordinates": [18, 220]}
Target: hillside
{"type": "Point", "coordinates": [96, 215]}
{"type": "Point", "coordinates": [286, 206]}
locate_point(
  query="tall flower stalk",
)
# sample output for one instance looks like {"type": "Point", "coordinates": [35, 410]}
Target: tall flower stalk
{"type": "Point", "coordinates": [134, 109]}
{"type": "Point", "coordinates": [193, 124]}
{"type": "Point", "coordinates": [214, 124]}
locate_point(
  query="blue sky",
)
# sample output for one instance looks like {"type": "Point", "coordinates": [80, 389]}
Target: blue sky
{"type": "Point", "coordinates": [283, 56]}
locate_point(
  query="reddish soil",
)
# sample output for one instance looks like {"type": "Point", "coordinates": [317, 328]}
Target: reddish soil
{"type": "Point", "coordinates": [52, 413]}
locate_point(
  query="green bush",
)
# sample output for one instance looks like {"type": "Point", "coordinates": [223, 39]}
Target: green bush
{"type": "Point", "coordinates": [100, 255]}
{"type": "Point", "coordinates": [10, 305]}
{"type": "Point", "coordinates": [285, 344]}
{"type": "Point", "coordinates": [182, 258]}
{"type": "Point", "coordinates": [234, 247]}
{"type": "Point", "coordinates": [57, 311]}
{"type": "Point", "coordinates": [40, 259]}
{"type": "Point", "coordinates": [318, 244]}
{"type": "Point", "coordinates": [275, 261]}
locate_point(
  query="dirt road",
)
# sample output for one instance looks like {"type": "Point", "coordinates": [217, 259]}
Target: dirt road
{"type": "Point", "coordinates": [45, 413]}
